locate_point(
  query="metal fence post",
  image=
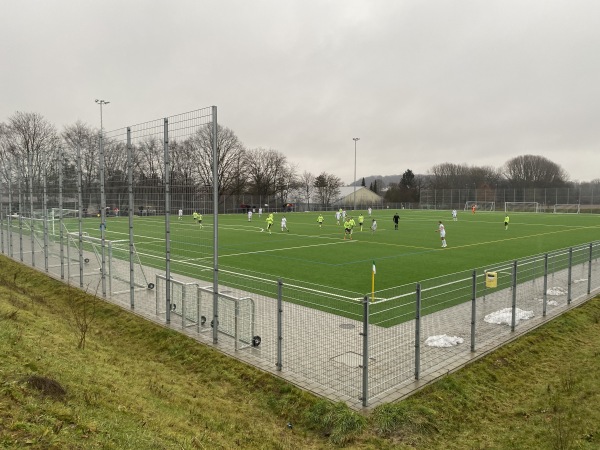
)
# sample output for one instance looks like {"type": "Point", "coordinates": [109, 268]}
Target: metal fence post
{"type": "Point", "coordinates": [514, 296]}
{"type": "Point", "coordinates": [102, 214]}
{"type": "Point", "coordinates": [79, 221]}
{"type": "Point", "coordinates": [545, 295]}
{"type": "Point", "coordinates": [31, 220]}
{"type": "Point", "coordinates": [21, 206]}
{"type": "Point", "coordinates": [365, 361]}
{"type": "Point", "coordinates": [215, 186]}
{"type": "Point", "coordinates": [130, 218]}
{"type": "Point", "coordinates": [279, 363]}
{"type": "Point", "coordinates": [418, 332]}
{"type": "Point", "coordinates": [570, 275]}
{"type": "Point", "coordinates": [9, 216]}
{"type": "Point", "coordinates": [473, 309]}
{"type": "Point", "coordinates": [45, 218]}
{"type": "Point", "coordinates": [61, 235]}
{"type": "Point", "coordinates": [589, 287]}
{"type": "Point", "coordinates": [167, 225]}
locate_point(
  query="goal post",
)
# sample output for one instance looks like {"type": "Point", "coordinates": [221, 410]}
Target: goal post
{"type": "Point", "coordinates": [533, 207]}
{"type": "Point", "coordinates": [184, 301]}
{"type": "Point", "coordinates": [566, 208]}
{"type": "Point", "coordinates": [480, 206]}
{"type": "Point", "coordinates": [116, 257]}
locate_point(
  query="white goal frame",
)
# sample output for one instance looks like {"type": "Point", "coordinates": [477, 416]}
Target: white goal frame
{"type": "Point", "coordinates": [116, 260]}
{"type": "Point", "coordinates": [480, 206]}
{"type": "Point", "coordinates": [566, 208]}
{"type": "Point", "coordinates": [533, 207]}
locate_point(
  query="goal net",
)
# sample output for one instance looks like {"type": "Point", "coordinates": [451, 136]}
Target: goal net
{"type": "Point", "coordinates": [183, 301]}
{"type": "Point", "coordinates": [193, 305]}
{"type": "Point", "coordinates": [480, 206]}
{"type": "Point", "coordinates": [566, 209]}
{"type": "Point", "coordinates": [56, 213]}
{"type": "Point", "coordinates": [522, 207]}
{"type": "Point", "coordinates": [89, 250]}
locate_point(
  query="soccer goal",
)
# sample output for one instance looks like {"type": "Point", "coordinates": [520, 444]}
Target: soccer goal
{"type": "Point", "coordinates": [57, 213]}
{"type": "Point", "coordinates": [566, 208]}
{"type": "Point", "coordinates": [184, 302]}
{"type": "Point", "coordinates": [480, 206]}
{"type": "Point", "coordinates": [116, 261]}
{"type": "Point", "coordinates": [522, 207]}
{"type": "Point", "coordinates": [236, 317]}
{"type": "Point", "coordinates": [37, 229]}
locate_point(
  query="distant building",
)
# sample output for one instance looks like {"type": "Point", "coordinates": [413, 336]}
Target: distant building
{"type": "Point", "coordinates": [364, 198]}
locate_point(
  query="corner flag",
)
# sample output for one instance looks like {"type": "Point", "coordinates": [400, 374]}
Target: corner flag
{"type": "Point", "coordinates": [374, 271]}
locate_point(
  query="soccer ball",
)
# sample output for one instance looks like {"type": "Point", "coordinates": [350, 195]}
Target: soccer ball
{"type": "Point", "coordinates": [262, 229]}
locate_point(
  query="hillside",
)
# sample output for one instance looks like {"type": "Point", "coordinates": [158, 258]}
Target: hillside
{"type": "Point", "coordinates": [77, 372]}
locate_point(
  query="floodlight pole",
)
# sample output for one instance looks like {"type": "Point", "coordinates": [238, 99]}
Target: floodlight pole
{"type": "Point", "coordinates": [355, 139]}
{"type": "Point", "coordinates": [102, 201]}
{"type": "Point", "coordinates": [101, 102]}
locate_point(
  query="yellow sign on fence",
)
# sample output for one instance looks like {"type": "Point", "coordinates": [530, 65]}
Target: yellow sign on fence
{"type": "Point", "coordinates": [491, 279]}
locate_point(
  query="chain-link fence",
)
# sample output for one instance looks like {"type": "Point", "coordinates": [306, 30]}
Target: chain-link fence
{"type": "Point", "coordinates": [338, 344]}
{"type": "Point", "coordinates": [563, 200]}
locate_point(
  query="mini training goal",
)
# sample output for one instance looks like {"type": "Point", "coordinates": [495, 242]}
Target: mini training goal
{"type": "Point", "coordinates": [522, 207]}
{"type": "Point", "coordinates": [480, 206]}
{"type": "Point", "coordinates": [193, 305]}
{"type": "Point", "coordinates": [116, 261]}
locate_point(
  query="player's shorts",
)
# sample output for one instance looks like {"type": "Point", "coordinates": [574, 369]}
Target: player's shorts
{"type": "Point", "coordinates": [443, 234]}
{"type": "Point", "coordinates": [348, 230]}
{"type": "Point", "coordinates": [505, 223]}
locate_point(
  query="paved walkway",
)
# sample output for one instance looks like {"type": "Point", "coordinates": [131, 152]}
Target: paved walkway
{"type": "Point", "coordinates": [322, 352]}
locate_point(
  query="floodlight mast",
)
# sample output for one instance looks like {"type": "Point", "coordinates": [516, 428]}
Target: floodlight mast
{"type": "Point", "coordinates": [102, 199]}
{"type": "Point", "coordinates": [355, 139]}
{"type": "Point", "coordinates": [101, 102]}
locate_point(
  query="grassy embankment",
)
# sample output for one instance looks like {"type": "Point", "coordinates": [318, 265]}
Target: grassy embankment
{"type": "Point", "coordinates": [76, 372]}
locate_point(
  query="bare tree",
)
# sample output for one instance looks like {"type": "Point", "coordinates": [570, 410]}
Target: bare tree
{"type": "Point", "coordinates": [448, 176]}
{"type": "Point", "coordinates": [149, 160]}
{"type": "Point", "coordinates": [484, 176]}
{"type": "Point", "coordinates": [83, 138]}
{"type": "Point", "coordinates": [32, 141]}
{"type": "Point", "coordinates": [307, 186]}
{"type": "Point", "coordinates": [327, 188]}
{"type": "Point", "coordinates": [269, 173]}
{"type": "Point", "coordinates": [230, 151]}
{"type": "Point", "coordinates": [534, 171]}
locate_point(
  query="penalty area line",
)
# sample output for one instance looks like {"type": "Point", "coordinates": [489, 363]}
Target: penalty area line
{"type": "Point", "coordinates": [282, 249]}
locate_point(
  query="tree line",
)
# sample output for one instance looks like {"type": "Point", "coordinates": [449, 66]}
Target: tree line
{"type": "Point", "coordinates": [32, 148]}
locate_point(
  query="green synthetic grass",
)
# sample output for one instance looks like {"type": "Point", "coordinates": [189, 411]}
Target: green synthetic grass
{"type": "Point", "coordinates": [319, 257]}
{"type": "Point", "coordinates": [338, 271]}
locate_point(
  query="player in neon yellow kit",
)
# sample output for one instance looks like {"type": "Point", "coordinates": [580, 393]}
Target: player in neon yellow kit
{"type": "Point", "coordinates": [269, 222]}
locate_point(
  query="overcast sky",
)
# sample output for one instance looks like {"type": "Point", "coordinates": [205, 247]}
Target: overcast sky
{"type": "Point", "coordinates": [473, 82]}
